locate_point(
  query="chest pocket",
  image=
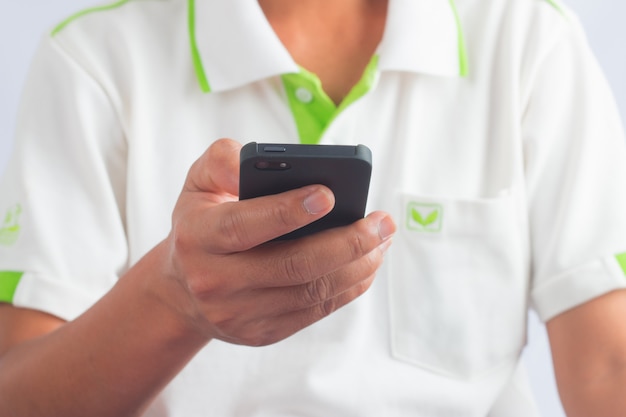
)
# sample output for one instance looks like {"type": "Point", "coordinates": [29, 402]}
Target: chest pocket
{"type": "Point", "coordinates": [458, 284]}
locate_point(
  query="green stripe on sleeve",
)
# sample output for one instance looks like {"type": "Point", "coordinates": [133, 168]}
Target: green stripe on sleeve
{"type": "Point", "coordinates": [8, 285]}
{"type": "Point", "coordinates": [621, 260]}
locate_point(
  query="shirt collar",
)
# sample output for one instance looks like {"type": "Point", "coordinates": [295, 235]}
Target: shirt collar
{"type": "Point", "coordinates": [233, 44]}
{"type": "Point", "coordinates": [236, 44]}
{"type": "Point", "coordinates": [423, 36]}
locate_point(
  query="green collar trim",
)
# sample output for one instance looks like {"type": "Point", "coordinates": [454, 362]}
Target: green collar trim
{"type": "Point", "coordinates": [201, 72]}
{"type": "Point", "coordinates": [70, 19]}
{"type": "Point", "coordinates": [9, 281]}
{"type": "Point", "coordinates": [313, 111]}
{"type": "Point", "coordinates": [191, 20]}
{"type": "Point", "coordinates": [195, 53]}
{"type": "Point", "coordinates": [363, 86]}
{"type": "Point", "coordinates": [310, 105]}
{"type": "Point", "coordinates": [463, 61]}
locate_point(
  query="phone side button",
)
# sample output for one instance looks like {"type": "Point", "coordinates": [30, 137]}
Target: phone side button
{"type": "Point", "coordinates": [274, 148]}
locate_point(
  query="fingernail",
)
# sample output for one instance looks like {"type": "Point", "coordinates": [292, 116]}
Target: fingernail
{"type": "Point", "coordinates": [386, 228]}
{"type": "Point", "coordinates": [317, 202]}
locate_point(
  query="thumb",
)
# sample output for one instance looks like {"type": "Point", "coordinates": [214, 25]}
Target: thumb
{"type": "Point", "coordinates": [217, 170]}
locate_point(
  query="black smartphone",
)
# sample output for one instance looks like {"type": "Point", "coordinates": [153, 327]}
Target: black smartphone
{"type": "Point", "coordinates": [272, 168]}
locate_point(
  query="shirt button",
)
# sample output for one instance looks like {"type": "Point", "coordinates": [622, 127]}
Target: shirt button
{"type": "Point", "coordinates": [304, 95]}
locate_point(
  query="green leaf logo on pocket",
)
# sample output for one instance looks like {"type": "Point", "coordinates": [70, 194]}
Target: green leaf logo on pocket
{"type": "Point", "coordinates": [424, 217]}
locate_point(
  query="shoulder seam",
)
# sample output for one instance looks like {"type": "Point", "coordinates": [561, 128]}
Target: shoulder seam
{"type": "Point", "coordinates": [82, 13]}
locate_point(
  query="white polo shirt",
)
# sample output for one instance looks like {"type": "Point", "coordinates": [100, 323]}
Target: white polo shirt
{"type": "Point", "coordinates": [497, 148]}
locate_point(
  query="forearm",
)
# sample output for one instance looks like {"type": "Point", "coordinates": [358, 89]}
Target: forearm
{"type": "Point", "coordinates": [589, 354]}
{"type": "Point", "coordinates": [111, 361]}
{"type": "Point", "coordinates": [594, 387]}
{"type": "Point", "coordinates": [602, 396]}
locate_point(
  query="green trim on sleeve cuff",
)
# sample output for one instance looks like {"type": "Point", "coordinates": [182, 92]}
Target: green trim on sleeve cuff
{"type": "Point", "coordinates": [621, 260]}
{"type": "Point", "coordinates": [8, 285]}
{"type": "Point", "coordinates": [80, 14]}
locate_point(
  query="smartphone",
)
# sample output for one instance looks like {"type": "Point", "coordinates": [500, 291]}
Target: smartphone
{"type": "Point", "coordinates": [272, 168]}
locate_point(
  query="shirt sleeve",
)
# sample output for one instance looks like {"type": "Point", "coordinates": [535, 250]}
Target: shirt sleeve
{"type": "Point", "coordinates": [63, 243]}
{"type": "Point", "coordinates": [576, 177]}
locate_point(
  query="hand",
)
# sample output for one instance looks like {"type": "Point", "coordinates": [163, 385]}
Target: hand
{"type": "Point", "coordinates": [244, 289]}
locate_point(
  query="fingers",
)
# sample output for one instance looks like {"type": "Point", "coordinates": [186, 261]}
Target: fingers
{"type": "Point", "coordinates": [290, 323]}
{"type": "Point", "coordinates": [317, 292]}
{"type": "Point", "coordinates": [272, 314]}
{"type": "Point", "coordinates": [269, 292]}
{"type": "Point", "coordinates": [265, 330]}
{"type": "Point", "coordinates": [303, 260]}
{"type": "Point", "coordinates": [217, 170]}
{"type": "Point", "coordinates": [237, 227]}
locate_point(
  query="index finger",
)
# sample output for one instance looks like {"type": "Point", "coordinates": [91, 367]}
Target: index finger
{"type": "Point", "coordinates": [217, 170]}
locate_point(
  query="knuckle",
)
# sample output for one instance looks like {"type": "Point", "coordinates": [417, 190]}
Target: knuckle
{"type": "Point", "coordinates": [318, 291]}
{"type": "Point", "coordinates": [284, 214]}
{"type": "Point", "coordinates": [373, 261]}
{"type": "Point", "coordinates": [180, 238]}
{"type": "Point", "coordinates": [363, 286]}
{"type": "Point", "coordinates": [357, 246]}
{"type": "Point", "coordinates": [230, 230]}
{"type": "Point", "coordinates": [332, 304]}
{"type": "Point", "coordinates": [297, 266]}
{"type": "Point", "coordinates": [327, 307]}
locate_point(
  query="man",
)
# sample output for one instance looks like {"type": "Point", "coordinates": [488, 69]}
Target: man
{"type": "Point", "coordinates": [493, 165]}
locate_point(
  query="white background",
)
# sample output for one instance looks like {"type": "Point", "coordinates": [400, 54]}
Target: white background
{"type": "Point", "coordinates": [23, 22]}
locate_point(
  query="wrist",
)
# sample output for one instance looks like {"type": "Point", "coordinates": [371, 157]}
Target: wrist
{"type": "Point", "coordinates": [170, 299]}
